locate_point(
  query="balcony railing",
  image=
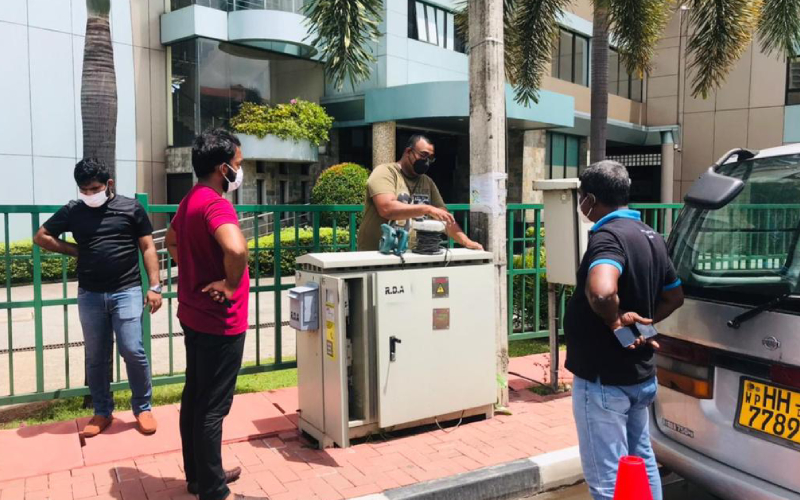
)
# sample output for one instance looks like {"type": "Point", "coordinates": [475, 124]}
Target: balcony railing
{"type": "Point", "coordinates": [294, 6]}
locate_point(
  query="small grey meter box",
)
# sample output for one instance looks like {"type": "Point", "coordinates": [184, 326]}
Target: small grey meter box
{"type": "Point", "coordinates": [565, 233]}
{"type": "Point", "coordinates": [304, 307]}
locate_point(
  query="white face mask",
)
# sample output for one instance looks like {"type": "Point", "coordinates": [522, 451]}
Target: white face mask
{"type": "Point", "coordinates": [94, 200]}
{"type": "Point", "coordinates": [585, 217]}
{"type": "Point", "coordinates": [237, 182]}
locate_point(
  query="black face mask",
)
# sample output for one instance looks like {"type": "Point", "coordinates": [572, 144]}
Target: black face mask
{"type": "Point", "coordinates": [421, 166]}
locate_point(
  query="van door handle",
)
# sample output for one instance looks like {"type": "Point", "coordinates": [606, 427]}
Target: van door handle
{"type": "Point", "coordinates": [393, 341]}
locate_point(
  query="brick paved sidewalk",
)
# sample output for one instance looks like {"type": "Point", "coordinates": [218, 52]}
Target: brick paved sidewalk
{"type": "Point", "coordinates": [286, 467]}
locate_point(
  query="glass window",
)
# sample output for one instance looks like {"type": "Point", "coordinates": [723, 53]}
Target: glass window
{"type": "Point", "coordinates": [620, 81]}
{"type": "Point", "coordinates": [211, 79]}
{"type": "Point", "coordinates": [422, 27]}
{"type": "Point", "coordinates": [451, 30]}
{"type": "Point", "coordinates": [565, 56]}
{"type": "Point", "coordinates": [637, 86]}
{"type": "Point", "coordinates": [430, 16]}
{"type": "Point", "coordinates": [185, 111]}
{"type": "Point", "coordinates": [581, 61]}
{"type": "Point", "coordinates": [441, 22]}
{"type": "Point", "coordinates": [562, 157]}
{"type": "Point", "coordinates": [613, 72]}
{"type": "Point", "coordinates": [793, 81]}
{"type": "Point", "coordinates": [747, 250]}
{"type": "Point", "coordinates": [557, 156]}
{"type": "Point", "coordinates": [178, 185]}
{"type": "Point", "coordinates": [570, 60]}
{"type": "Point", "coordinates": [433, 25]}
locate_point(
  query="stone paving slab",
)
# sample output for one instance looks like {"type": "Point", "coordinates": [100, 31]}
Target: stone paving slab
{"type": "Point", "coordinates": [285, 466]}
{"type": "Point", "coordinates": [32, 451]}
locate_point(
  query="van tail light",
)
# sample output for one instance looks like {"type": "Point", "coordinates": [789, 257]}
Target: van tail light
{"type": "Point", "coordinates": [685, 367]}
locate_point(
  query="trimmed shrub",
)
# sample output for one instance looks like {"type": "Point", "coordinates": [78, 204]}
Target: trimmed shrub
{"type": "Point", "coordinates": [292, 248]}
{"type": "Point", "coordinates": [22, 269]}
{"type": "Point", "coordinates": [342, 184]}
{"type": "Point", "coordinates": [297, 120]}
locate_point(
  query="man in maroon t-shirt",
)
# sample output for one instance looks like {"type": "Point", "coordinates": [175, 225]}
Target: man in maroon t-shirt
{"type": "Point", "coordinates": [213, 289]}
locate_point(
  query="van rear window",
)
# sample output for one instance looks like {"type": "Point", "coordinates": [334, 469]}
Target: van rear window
{"type": "Point", "coordinates": [747, 249]}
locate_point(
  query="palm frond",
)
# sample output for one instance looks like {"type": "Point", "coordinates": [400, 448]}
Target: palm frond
{"type": "Point", "coordinates": [534, 27]}
{"type": "Point", "coordinates": [637, 26]}
{"type": "Point", "coordinates": [719, 33]}
{"type": "Point", "coordinates": [343, 32]}
{"type": "Point", "coordinates": [779, 26]}
{"type": "Point", "coordinates": [98, 7]}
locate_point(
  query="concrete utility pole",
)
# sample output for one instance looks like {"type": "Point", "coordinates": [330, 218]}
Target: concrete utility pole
{"type": "Point", "coordinates": [487, 150]}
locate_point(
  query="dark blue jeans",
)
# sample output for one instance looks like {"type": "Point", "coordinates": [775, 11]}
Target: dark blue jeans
{"type": "Point", "coordinates": [102, 315]}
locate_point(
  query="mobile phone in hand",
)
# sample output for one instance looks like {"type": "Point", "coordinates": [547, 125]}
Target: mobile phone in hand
{"type": "Point", "coordinates": [646, 331]}
{"type": "Point", "coordinates": [626, 336]}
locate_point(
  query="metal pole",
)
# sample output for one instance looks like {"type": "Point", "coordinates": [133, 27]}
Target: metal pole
{"type": "Point", "coordinates": [552, 320]}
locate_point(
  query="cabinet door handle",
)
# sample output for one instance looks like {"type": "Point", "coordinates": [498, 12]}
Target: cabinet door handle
{"type": "Point", "coordinates": [393, 341]}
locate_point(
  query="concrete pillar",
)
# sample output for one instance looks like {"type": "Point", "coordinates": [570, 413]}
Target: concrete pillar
{"type": "Point", "coordinates": [667, 166]}
{"type": "Point", "coordinates": [534, 151]}
{"type": "Point", "coordinates": [487, 162]}
{"type": "Point", "coordinates": [384, 143]}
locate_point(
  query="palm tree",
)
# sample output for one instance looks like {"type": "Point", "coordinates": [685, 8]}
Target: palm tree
{"type": "Point", "coordinates": [719, 32]}
{"type": "Point", "coordinates": [99, 87]}
{"type": "Point", "coordinates": [99, 100]}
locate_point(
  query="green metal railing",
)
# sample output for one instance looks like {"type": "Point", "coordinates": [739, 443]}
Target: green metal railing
{"type": "Point", "coordinates": [326, 228]}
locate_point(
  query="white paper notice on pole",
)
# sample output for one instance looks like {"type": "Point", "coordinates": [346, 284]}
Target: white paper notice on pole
{"type": "Point", "coordinates": [487, 192]}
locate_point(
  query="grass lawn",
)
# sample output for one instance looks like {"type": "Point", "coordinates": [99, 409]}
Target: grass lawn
{"type": "Point", "coordinates": [519, 348]}
{"type": "Point", "coordinates": [69, 409]}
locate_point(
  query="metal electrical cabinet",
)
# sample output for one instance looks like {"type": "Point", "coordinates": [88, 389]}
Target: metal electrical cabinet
{"type": "Point", "coordinates": [398, 343]}
{"type": "Point", "coordinates": [567, 244]}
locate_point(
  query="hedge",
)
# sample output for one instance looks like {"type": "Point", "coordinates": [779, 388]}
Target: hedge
{"type": "Point", "coordinates": [22, 269]}
{"type": "Point", "coordinates": [342, 184]}
{"type": "Point", "coordinates": [291, 248]}
{"type": "Point", "coordinates": [526, 310]}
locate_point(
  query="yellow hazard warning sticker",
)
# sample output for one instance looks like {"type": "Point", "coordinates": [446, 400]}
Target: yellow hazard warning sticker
{"type": "Point", "coordinates": [441, 288]}
{"type": "Point", "coordinates": [330, 339]}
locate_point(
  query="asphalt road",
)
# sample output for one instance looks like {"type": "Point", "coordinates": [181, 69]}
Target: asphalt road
{"type": "Point", "coordinates": [675, 488]}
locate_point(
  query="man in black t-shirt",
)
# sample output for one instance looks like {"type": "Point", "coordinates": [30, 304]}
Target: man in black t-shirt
{"type": "Point", "coordinates": [625, 277]}
{"type": "Point", "coordinates": [110, 230]}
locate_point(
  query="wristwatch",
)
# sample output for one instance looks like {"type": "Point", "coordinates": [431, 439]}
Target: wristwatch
{"type": "Point", "coordinates": [157, 289]}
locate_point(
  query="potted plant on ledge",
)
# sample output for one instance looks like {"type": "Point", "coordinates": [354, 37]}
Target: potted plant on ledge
{"type": "Point", "coordinates": [285, 132]}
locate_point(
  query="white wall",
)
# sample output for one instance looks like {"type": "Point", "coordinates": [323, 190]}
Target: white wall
{"type": "Point", "coordinates": [42, 137]}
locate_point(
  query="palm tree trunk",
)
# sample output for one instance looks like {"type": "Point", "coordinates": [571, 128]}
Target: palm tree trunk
{"type": "Point", "coordinates": [99, 87]}
{"type": "Point", "coordinates": [99, 102]}
{"type": "Point", "coordinates": [599, 120]}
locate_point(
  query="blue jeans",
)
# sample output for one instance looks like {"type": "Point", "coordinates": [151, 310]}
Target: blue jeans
{"type": "Point", "coordinates": [612, 422]}
{"type": "Point", "coordinates": [101, 315]}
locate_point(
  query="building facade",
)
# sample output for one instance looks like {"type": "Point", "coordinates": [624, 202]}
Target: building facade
{"type": "Point", "coordinates": [186, 65]}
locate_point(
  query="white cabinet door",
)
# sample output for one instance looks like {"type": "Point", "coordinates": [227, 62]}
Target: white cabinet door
{"type": "Point", "coordinates": [442, 322]}
{"type": "Point", "coordinates": [334, 359]}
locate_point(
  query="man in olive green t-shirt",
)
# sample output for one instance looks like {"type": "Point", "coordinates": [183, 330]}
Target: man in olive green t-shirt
{"type": "Point", "coordinates": [401, 191]}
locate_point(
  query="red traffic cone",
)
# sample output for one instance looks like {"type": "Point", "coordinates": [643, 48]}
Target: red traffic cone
{"type": "Point", "coordinates": [632, 482]}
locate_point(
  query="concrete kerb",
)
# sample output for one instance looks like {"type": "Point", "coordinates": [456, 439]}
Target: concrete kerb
{"type": "Point", "coordinates": [517, 479]}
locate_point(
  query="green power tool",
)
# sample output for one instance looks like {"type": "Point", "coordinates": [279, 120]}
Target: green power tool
{"type": "Point", "coordinates": [394, 240]}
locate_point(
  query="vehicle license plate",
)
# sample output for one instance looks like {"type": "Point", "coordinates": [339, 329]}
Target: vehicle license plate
{"type": "Point", "coordinates": [772, 412]}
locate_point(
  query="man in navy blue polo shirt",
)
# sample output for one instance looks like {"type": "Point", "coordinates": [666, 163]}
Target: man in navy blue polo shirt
{"type": "Point", "coordinates": [625, 277]}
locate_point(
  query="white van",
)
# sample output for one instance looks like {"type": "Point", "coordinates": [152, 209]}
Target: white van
{"type": "Point", "coordinates": [727, 414]}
